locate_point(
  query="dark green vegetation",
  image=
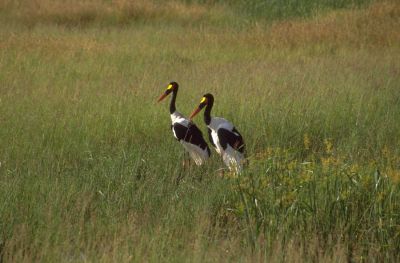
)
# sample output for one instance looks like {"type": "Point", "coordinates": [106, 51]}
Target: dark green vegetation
{"type": "Point", "coordinates": [277, 10]}
{"type": "Point", "coordinates": [89, 167]}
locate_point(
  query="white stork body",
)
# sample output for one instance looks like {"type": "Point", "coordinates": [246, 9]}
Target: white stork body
{"type": "Point", "coordinates": [185, 131]}
{"type": "Point", "coordinates": [228, 142]}
{"type": "Point", "coordinates": [220, 130]}
{"type": "Point", "coordinates": [190, 137]}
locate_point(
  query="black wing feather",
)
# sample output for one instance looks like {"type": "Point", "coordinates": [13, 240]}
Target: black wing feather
{"type": "Point", "coordinates": [191, 134]}
{"type": "Point", "coordinates": [233, 138]}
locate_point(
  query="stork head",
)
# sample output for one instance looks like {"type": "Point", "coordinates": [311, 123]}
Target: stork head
{"type": "Point", "coordinates": [208, 99]}
{"type": "Point", "coordinates": [172, 86]}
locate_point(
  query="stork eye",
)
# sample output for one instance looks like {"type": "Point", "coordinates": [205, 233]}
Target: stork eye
{"type": "Point", "coordinates": [204, 99]}
{"type": "Point", "coordinates": [169, 87]}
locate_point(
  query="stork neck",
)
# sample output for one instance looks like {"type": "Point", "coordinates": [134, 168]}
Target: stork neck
{"type": "Point", "coordinates": [207, 113]}
{"type": "Point", "coordinates": [172, 107]}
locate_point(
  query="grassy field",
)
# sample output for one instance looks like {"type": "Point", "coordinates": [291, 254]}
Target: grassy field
{"type": "Point", "coordinates": [89, 168]}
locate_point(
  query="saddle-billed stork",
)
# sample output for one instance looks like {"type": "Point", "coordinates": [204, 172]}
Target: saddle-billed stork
{"type": "Point", "coordinates": [185, 131]}
{"type": "Point", "coordinates": [228, 142]}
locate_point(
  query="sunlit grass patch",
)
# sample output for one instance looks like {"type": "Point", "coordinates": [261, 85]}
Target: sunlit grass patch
{"type": "Point", "coordinates": [107, 13]}
{"type": "Point", "coordinates": [374, 25]}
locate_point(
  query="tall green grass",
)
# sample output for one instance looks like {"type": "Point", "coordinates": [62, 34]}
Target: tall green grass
{"type": "Point", "coordinates": [90, 170]}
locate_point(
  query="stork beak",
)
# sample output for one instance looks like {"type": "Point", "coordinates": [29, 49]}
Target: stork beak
{"type": "Point", "coordinates": [162, 97]}
{"type": "Point", "coordinates": [194, 113]}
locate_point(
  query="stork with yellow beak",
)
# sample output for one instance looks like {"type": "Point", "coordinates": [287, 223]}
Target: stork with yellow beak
{"type": "Point", "coordinates": [185, 131]}
{"type": "Point", "coordinates": [228, 142]}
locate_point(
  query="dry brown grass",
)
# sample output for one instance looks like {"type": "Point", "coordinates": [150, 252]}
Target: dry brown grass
{"type": "Point", "coordinates": [74, 12]}
{"type": "Point", "coordinates": [61, 46]}
{"type": "Point", "coordinates": [371, 26]}
{"type": "Point", "coordinates": [375, 25]}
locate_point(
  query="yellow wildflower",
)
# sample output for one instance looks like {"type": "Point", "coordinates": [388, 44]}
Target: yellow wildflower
{"type": "Point", "coordinates": [307, 141]}
{"type": "Point", "coordinates": [326, 162]}
{"type": "Point", "coordinates": [328, 146]}
{"type": "Point", "coordinates": [354, 168]}
{"type": "Point", "coordinates": [291, 166]}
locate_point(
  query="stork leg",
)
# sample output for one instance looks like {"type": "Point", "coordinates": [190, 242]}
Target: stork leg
{"type": "Point", "coordinates": [186, 161]}
{"type": "Point", "coordinates": [185, 167]}
{"type": "Point", "coordinates": [188, 164]}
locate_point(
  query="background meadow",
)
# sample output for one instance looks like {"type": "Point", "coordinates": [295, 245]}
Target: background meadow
{"type": "Point", "coordinates": [90, 171]}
